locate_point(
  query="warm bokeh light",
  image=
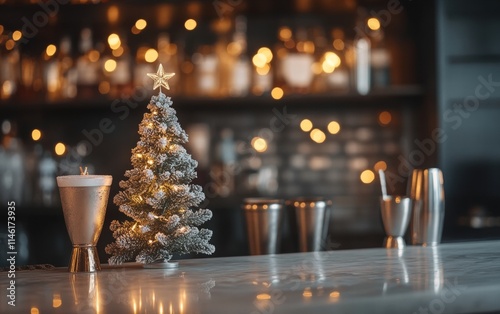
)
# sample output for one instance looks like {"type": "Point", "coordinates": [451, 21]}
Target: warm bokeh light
{"type": "Point", "coordinates": [309, 47]}
{"type": "Point", "coordinates": [114, 41]}
{"type": "Point", "coordinates": [110, 65]}
{"type": "Point", "coordinates": [56, 301]}
{"type": "Point", "coordinates": [16, 35]}
{"type": "Point", "coordinates": [267, 53]}
{"type": "Point", "coordinates": [367, 176]}
{"type": "Point", "coordinates": [306, 46]}
{"type": "Point", "coordinates": [118, 52]}
{"type": "Point", "coordinates": [36, 134]}
{"type": "Point", "coordinates": [263, 70]}
{"type": "Point", "coordinates": [172, 49]}
{"type": "Point", "coordinates": [259, 60]}
{"type": "Point", "coordinates": [50, 50]}
{"type": "Point", "coordinates": [290, 44]}
{"type": "Point", "coordinates": [317, 68]}
{"type": "Point", "coordinates": [9, 44]}
{"type": "Point", "coordinates": [187, 67]}
{"type": "Point", "coordinates": [306, 125]}
{"type": "Point", "coordinates": [134, 30]}
{"type": "Point", "coordinates": [1, 29]}
{"type": "Point", "coordinates": [385, 117]}
{"type": "Point", "coordinates": [277, 93]}
{"type": "Point", "coordinates": [151, 55]}
{"type": "Point", "coordinates": [60, 149]}
{"type": "Point", "coordinates": [141, 24]}
{"type": "Point", "coordinates": [332, 58]}
{"type": "Point", "coordinates": [307, 293]}
{"type": "Point", "coordinates": [94, 55]}
{"type": "Point", "coordinates": [34, 310]}
{"type": "Point", "coordinates": [338, 44]}
{"type": "Point", "coordinates": [104, 87]}
{"type": "Point", "coordinates": [263, 296]}
{"type": "Point", "coordinates": [141, 52]}
{"type": "Point", "coordinates": [318, 136]}
{"type": "Point", "coordinates": [334, 294]}
{"type": "Point", "coordinates": [373, 24]}
{"type": "Point", "coordinates": [334, 127]}
{"type": "Point", "coordinates": [113, 14]}
{"type": "Point", "coordinates": [285, 33]}
{"type": "Point", "coordinates": [234, 48]}
{"type": "Point", "coordinates": [327, 67]}
{"type": "Point", "coordinates": [380, 165]}
{"type": "Point", "coordinates": [7, 88]}
{"type": "Point", "coordinates": [259, 144]}
{"type": "Point", "coordinates": [190, 24]}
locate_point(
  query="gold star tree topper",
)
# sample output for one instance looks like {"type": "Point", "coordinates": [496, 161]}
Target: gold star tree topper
{"type": "Point", "coordinates": [161, 78]}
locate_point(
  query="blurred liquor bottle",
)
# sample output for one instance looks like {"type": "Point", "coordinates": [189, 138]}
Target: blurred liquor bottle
{"type": "Point", "coordinates": [59, 75]}
{"type": "Point", "coordinates": [338, 79]}
{"type": "Point", "coordinates": [240, 76]}
{"type": "Point", "coordinates": [120, 77]}
{"type": "Point", "coordinates": [380, 60]}
{"type": "Point", "coordinates": [296, 64]}
{"type": "Point", "coordinates": [222, 171]}
{"type": "Point", "coordinates": [51, 77]}
{"type": "Point", "coordinates": [9, 70]}
{"type": "Point", "coordinates": [88, 66]}
{"type": "Point", "coordinates": [12, 161]}
{"type": "Point", "coordinates": [207, 72]}
{"type": "Point", "coordinates": [68, 74]}
{"type": "Point", "coordinates": [187, 79]}
{"type": "Point", "coordinates": [142, 68]}
{"type": "Point", "coordinates": [362, 54]}
{"type": "Point", "coordinates": [320, 52]}
{"type": "Point", "coordinates": [225, 61]}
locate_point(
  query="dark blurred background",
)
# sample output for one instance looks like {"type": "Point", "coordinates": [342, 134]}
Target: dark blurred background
{"type": "Point", "coordinates": [280, 99]}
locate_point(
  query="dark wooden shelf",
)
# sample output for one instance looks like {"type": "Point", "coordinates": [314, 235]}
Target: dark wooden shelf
{"type": "Point", "coordinates": [490, 103]}
{"type": "Point", "coordinates": [478, 58]}
{"type": "Point", "coordinates": [395, 96]}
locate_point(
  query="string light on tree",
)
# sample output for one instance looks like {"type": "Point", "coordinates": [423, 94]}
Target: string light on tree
{"type": "Point", "coordinates": [158, 194]}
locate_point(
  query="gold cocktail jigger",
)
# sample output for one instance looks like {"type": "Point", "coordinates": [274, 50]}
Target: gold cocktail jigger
{"type": "Point", "coordinates": [84, 199]}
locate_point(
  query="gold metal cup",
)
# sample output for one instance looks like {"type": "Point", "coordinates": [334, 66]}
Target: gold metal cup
{"type": "Point", "coordinates": [84, 199]}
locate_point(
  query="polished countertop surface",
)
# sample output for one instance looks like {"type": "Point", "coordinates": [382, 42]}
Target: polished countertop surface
{"type": "Point", "coordinates": [450, 278]}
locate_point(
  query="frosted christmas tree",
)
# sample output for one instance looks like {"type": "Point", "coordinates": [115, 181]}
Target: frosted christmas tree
{"type": "Point", "coordinates": [158, 194]}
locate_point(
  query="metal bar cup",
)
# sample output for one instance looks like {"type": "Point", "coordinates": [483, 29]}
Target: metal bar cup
{"type": "Point", "coordinates": [396, 212]}
{"type": "Point", "coordinates": [84, 199]}
{"type": "Point", "coordinates": [263, 220]}
{"type": "Point", "coordinates": [313, 218]}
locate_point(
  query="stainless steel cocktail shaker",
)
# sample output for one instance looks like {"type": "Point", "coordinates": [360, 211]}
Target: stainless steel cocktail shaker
{"type": "Point", "coordinates": [313, 218]}
{"type": "Point", "coordinates": [427, 192]}
{"type": "Point", "coordinates": [263, 220]}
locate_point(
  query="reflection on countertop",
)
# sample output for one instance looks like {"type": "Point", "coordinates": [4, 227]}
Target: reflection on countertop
{"type": "Point", "coordinates": [451, 278]}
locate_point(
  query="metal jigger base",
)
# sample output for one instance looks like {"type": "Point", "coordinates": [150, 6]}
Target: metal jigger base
{"type": "Point", "coordinates": [84, 259]}
{"type": "Point", "coordinates": [392, 242]}
{"type": "Point", "coordinates": [162, 265]}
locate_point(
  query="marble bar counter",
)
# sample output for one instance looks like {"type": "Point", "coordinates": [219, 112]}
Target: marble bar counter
{"type": "Point", "coordinates": [450, 278]}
